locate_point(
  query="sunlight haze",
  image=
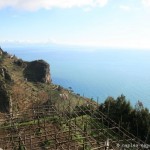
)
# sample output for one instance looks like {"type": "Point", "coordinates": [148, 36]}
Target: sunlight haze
{"type": "Point", "coordinates": [100, 23]}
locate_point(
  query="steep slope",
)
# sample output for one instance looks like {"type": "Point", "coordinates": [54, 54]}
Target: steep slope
{"type": "Point", "coordinates": [36, 114]}
{"type": "Point", "coordinates": [25, 84]}
{"type": "Point", "coordinates": [16, 92]}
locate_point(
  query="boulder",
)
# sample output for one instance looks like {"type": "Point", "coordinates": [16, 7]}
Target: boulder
{"type": "Point", "coordinates": [37, 71]}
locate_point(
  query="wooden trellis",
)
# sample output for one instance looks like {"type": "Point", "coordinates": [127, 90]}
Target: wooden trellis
{"type": "Point", "coordinates": [50, 128]}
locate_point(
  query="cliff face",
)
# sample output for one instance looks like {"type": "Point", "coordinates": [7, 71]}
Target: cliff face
{"type": "Point", "coordinates": [21, 83]}
{"type": "Point", "coordinates": [37, 71]}
{"type": "Point", "coordinates": [5, 74]}
{"type": "Point", "coordinates": [4, 98]}
{"type": "Point", "coordinates": [1, 51]}
{"type": "Point", "coordinates": [4, 94]}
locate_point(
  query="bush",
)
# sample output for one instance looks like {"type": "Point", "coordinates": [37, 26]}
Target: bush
{"type": "Point", "coordinates": [135, 120]}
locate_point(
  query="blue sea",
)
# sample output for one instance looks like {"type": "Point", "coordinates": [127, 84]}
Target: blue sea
{"type": "Point", "coordinates": [95, 72]}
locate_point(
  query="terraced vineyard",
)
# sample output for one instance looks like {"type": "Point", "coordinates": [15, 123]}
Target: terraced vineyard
{"type": "Point", "coordinates": [49, 127]}
{"type": "Point", "coordinates": [44, 116]}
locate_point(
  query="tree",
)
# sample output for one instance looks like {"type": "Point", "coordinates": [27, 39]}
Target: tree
{"type": "Point", "coordinates": [136, 120]}
{"type": "Point", "coordinates": [118, 109]}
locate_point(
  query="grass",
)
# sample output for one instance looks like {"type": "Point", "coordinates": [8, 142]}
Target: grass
{"type": "Point", "coordinates": [85, 123]}
{"type": "Point", "coordinates": [46, 142]}
{"type": "Point", "coordinates": [55, 119]}
{"type": "Point", "coordinates": [25, 94]}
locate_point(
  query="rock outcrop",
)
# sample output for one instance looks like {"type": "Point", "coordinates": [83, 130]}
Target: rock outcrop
{"type": "Point", "coordinates": [4, 95]}
{"type": "Point", "coordinates": [4, 98]}
{"type": "Point", "coordinates": [16, 94]}
{"type": "Point", "coordinates": [37, 71]}
{"type": "Point", "coordinates": [1, 55]}
{"type": "Point", "coordinates": [20, 63]}
{"type": "Point", "coordinates": [5, 74]}
{"type": "Point", "coordinates": [1, 51]}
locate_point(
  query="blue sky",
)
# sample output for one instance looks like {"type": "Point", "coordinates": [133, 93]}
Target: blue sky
{"type": "Point", "coordinates": [100, 23]}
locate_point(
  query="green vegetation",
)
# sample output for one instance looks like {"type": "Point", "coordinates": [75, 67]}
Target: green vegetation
{"type": "Point", "coordinates": [23, 93]}
{"type": "Point", "coordinates": [74, 118]}
{"type": "Point", "coordinates": [135, 120]}
{"type": "Point", "coordinates": [46, 143]}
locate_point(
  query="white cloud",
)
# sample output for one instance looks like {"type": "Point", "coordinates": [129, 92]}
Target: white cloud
{"type": "Point", "coordinates": [48, 4]}
{"type": "Point", "coordinates": [125, 7]}
{"type": "Point", "coordinates": [87, 9]}
{"type": "Point", "coordinates": [146, 3]}
{"type": "Point", "coordinates": [101, 3]}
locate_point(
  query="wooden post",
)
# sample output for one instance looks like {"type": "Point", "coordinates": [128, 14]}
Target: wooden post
{"type": "Point", "coordinates": [24, 138]}
{"type": "Point", "coordinates": [55, 137]}
{"type": "Point", "coordinates": [45, 128]}
{"type": "Point", "coordinates": [75, 124]}
{"type": "Point", "coordinates": [30, 141]}
{"type": "Point", "coordinates": [82, 121]}
{"type": "Point", "coordinates": [97, 102]}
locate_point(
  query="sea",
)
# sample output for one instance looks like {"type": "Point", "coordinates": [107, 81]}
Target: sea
{"type": "Point", "coordinates": [95, 72]}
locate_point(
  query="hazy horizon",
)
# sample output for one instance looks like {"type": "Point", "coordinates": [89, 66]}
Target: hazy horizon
{"type": "Point", "coordinates": [99, 23]}
{"type": "Point", "coordinates": [118, 31]}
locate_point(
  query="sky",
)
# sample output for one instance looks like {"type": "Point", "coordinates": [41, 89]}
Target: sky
{"type": "Point", "coordinates": [99, 23]}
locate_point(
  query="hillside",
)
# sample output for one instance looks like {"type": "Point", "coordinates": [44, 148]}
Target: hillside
{"type": "Point", "coordinates": [36, 114]}
{"type": "Point", "coordinates": [24, 84]}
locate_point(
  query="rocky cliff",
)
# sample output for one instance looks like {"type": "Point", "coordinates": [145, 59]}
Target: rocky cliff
{"type": "Point", "coordinates": [4, 98]}
{"type": "Point", "coordinates": [17, 82]}
{"type": "Point", "coordinates": [24, 85]}
{"type": "Point", "coordinates": [37, 71]}
{"type": "Point", "coordinates": [5, 78]}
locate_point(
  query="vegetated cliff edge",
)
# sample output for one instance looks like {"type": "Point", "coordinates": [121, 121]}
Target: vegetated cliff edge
{"type": "Point", "coordinates": [24, 84]}
{"type": "Point", "coordinates": [17, 80]}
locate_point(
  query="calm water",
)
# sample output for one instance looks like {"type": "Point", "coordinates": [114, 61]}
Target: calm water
{"type": "Point", "coordinates": [100, 73]}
